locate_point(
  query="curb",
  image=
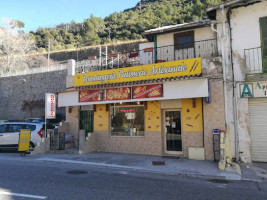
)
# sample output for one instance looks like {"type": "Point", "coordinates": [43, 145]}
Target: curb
{"type": "Point", "coordinates": [138, 169]}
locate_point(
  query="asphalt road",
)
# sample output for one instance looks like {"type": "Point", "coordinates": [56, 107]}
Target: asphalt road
{"type": "Point", "coordinates": [35, 179]}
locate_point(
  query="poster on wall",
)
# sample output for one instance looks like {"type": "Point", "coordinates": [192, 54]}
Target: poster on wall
{"type": "Point", "coordinates": [147, 91]}
{"type": "Point", "coordinates": [122, 93]}
{"type": "Point", "coordinates": [91, 95]}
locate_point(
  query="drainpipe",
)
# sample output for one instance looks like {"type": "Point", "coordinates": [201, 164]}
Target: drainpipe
{"type": "Point", "coordinates": [222, 39]}
{"type": "Point", "coordinates": [234, 86]}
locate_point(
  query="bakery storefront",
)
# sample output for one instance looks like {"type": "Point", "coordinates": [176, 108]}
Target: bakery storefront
{"type": "Point", "coordinates": [152, 109]}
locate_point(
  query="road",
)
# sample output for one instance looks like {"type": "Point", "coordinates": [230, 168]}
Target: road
{"type": "Point", "coordinates": [35, 179]}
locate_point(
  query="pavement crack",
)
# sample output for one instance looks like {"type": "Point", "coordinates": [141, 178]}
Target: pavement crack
{"type": "Point", "coordinates": [258, 186]}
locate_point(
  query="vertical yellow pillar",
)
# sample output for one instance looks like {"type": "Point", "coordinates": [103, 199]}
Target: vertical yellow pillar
{"type": "Point", "coordinates": [101, 118]}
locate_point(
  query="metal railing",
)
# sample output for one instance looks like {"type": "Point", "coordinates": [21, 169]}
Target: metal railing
{"type": "Point", "coordinates": [205, 49]}
{"type": "Point", "coordinates": [253, 60]}
{"type": "Point", "coordinates": [35, 70]}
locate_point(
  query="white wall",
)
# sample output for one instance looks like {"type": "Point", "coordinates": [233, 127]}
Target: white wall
{"type": "Point", "coordinates": [245, 33]}
{"type": "Point", "coordinates": [204, 33]}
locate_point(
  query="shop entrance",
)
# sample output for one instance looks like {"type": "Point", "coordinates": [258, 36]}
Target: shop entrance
{"type": "Point", "coordinates": [172, 132]}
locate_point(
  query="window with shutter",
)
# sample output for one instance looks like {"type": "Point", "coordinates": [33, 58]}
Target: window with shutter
{"type": "Point", "coordinates": [263, 28]}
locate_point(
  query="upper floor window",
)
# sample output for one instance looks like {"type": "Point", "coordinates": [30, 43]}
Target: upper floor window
{"type": "Point", "coordinates": [184, 40]}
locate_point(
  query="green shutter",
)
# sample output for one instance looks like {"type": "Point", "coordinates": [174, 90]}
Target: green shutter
{"type": "Point", "coordinates": [263, 28]}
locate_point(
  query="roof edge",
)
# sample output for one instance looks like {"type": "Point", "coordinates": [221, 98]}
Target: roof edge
{"type": "Point", "coordinates": [177, 27]}
{"type": "Point", "coordinates": [226, 4]}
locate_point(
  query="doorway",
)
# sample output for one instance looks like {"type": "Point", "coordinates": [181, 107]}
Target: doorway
{"type": "Point", "coordinates": [172, 132]}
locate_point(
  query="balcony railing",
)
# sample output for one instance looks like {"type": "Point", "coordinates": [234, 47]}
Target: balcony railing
{"type": "Point", "coordinates": [205, 49]}
{"type": "Point", "coordinates": [253, 60]}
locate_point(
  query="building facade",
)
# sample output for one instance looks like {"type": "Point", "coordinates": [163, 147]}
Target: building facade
{"type": "Point", "coordinates": [246, 23]}
{"type": "Point", "coordinates": [164, 99]}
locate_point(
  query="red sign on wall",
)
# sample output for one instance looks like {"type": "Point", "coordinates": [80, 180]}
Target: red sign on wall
{"type": "Point", "coordinates": [147, 91]}
{"type": "Point", "coordinates": [123, 93]}
{"type": "Point", "coordinates": [91, 95]}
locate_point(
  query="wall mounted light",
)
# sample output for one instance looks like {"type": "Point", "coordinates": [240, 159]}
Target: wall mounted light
{"type": "Point", "coordinates": [70, 109]}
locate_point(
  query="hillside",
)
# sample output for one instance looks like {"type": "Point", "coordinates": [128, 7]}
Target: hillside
{"type": "Point", "coordinates": [123, 26]}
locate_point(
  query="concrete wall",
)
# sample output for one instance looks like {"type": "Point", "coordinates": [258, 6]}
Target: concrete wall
{"type": "Point", "coordinates": [224, 48]}
{"type": "Point", "coordinates": [15, 89]}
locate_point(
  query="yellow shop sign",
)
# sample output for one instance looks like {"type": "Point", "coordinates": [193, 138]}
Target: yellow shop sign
{"type": "Point", "coordinates": [138, 73]}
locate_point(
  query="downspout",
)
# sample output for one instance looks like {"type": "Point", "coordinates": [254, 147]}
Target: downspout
{"type": "Point", "coordinates": [222, 40]}
{"type": "Point", "coordinates": [234, 86]}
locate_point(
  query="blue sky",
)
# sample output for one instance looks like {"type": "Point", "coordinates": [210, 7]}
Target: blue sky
{"type": "Point", "coordinates": [45, 13]}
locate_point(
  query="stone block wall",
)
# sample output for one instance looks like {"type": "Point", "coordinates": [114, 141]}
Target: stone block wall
{"type": "Point", "coordinates": [15, 89]}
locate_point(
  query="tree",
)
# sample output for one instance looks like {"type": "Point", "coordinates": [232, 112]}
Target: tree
{"type": "Point", "coordinates": [30, 105]}
{"type": "Point", "coordinates": [14, 45]}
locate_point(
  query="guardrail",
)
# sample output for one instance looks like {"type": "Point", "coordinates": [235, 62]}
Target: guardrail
{"type": "Point", "coordinates": [204, 49]}
{"type": "Point", "coordinates": [35, 71]}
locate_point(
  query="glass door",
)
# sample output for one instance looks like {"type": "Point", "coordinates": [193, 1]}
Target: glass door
{"type": "Point", "coordinates": [173, 132]}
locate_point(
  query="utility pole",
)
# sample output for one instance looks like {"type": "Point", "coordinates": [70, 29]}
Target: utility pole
{"type": "Point", "coordinates": [48, 56]}
{"type": "Point", "coordinates": [109, 32]}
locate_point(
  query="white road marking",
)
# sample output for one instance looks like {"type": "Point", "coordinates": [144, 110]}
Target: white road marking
{"type": "Point", "coordinates": [22, 195]}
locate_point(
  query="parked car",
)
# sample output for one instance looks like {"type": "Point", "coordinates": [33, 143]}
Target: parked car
{"type": "Point", "coordinates": [9, 134]}
{"type": "Point", "coordinates": [35, 120]}
{"type": "Point", "coordinates": [49, 125]}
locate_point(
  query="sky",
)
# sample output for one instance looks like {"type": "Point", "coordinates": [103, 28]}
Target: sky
{"type": "Point", "coordinates": [46, 13]}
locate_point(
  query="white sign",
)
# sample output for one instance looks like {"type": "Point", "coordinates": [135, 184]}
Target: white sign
{"type": "Point", "coordinates": [50, 106]}
{"type": "Point", "coordinates": [254, 89]}
{"type": "Point", "coordinates": [260, 89]}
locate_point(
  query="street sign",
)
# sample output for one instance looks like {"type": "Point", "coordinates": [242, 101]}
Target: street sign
{"type": "Point", "coordinates": [24, 139]}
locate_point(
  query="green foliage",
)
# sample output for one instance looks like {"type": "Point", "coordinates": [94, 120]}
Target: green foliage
{"type": "Point", "coordinates": [122, 26]}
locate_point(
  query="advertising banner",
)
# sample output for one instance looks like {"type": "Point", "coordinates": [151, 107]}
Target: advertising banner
{"type": "Point", "coordinates": [147, 91]}
{"type": "Point", "coordinates": [138, 73]}
{"type": "Point", "coordinates": [24, 139]}
{"type": "Point", "coordinates": [123, 93]}
{"type": "Point", "coordinates": [90, 95]}
{"type": "Point", "coordinates": [50, 106]}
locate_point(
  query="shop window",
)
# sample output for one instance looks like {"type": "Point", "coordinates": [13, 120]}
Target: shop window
{"type": "Point", "coordinates": [127, 120]}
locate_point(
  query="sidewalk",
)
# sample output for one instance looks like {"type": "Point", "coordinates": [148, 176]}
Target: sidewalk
{"type": "Point", "coordinates": [152, 164]}
{"type": "Point", "coordinates": [254, 171]}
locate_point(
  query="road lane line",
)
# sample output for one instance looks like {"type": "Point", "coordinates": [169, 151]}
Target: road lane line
{"type": "Point", "coordinates": [22, 195]}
